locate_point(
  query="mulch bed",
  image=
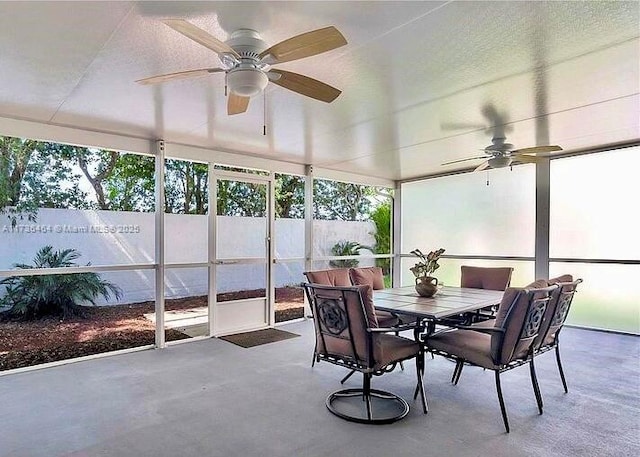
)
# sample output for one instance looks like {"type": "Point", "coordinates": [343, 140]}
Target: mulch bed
{"type": "Point", "coordinates": [110, 328]}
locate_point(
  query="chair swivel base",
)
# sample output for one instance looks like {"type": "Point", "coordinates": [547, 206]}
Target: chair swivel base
{"type": "Point", "coordinates": [382, 407]}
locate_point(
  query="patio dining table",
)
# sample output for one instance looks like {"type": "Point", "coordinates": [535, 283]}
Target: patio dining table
{"type": "Point", "coordinates": [446, 303]}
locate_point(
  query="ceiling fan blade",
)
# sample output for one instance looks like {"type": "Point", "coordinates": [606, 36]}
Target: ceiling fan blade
{"type": "Point", "coordinates": [237, 104]}
{"type": "Point", "coordinates": [305, 45]}
{"type": "Point", "coordinates": [200, 36]}
{"type": "Point", "coordinates": [482, 166]}
{"type": "Point", "coordinates": [464, 160]}
{"type": "Point", "coordinates": [178, 75]}
{"type": "Point", "coordinates": [304, 85]}
{"type": "Point", "coordinates": [537, 150]}
{"type": "Point", "coordinates": [525, 158]}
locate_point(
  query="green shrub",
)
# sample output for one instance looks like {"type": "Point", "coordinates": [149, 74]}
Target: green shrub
{"type": "Point", "coordinates": [345, 248]}
{"type": "Point", "coordinates": [31, 297]}
{"type": "Point", "coordinates": [381, 216]}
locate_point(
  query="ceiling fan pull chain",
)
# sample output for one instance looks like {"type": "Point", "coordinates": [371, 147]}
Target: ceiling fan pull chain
{"type": "Point", "coordinates": [264, 113]}
{"type": "Point", "coordinates": [487, 177]}
{"type": "Point", "coordinates": [225, 83]}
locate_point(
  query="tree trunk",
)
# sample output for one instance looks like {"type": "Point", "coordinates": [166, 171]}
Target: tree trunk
{"type": "Point", "coordinates": [96, 181]}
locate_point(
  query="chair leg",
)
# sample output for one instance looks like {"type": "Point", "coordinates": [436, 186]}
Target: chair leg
{"type": "Point", "coordinates": [501, 400]}
{"type": "Point", "coordinates": [564, 381]}
{"type": "Point", "coordinates": [536, 387]}
{"type": "Point", "coordinates": [343, 380]}
{"type": "Point", "coordinates": [366, 392]}
{"type": "Point", "coordinates": [420, 385]}
{"type": "Point", "coordinates": [401, 365]}
{"type": "Point", "coordinates": [457, 371]}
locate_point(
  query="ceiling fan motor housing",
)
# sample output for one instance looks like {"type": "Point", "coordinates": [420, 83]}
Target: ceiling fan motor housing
{"type": "Point", "coordinates": [248, 77]}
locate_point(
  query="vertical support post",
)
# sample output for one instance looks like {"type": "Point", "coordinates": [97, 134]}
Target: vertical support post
{"type": "Point", "coordinates": [396, 235]}
{"type": "Point", "coordinates": [271, 257]}
{"type": "Point", "coordinates": [212, 247]}
{"type": "Point", "coordinates": [543, 203]}
{"type": "Point", "coordinates": [159, 242]}
{"type": "Point", "coordinates": [308, 228]}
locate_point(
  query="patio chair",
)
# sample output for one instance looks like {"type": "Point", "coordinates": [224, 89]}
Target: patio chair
{"type": "Point", "coordinates": [508, 344]}
{"type": "Point", "coordinates": [554, 318]}
{"type": "Point", "coordinates": [343, 277]}
{"type": "Point", "coordinates": [491, 278]}
{"type": "Point", "coordinates": [334, 277]}
{"type": "Point", "coordinates": [348, 335]}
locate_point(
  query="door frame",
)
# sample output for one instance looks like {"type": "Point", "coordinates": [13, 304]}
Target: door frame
{"type": "Point", "coordinates": [213, 262]}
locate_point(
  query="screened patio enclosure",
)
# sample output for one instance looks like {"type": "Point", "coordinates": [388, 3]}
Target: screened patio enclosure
{"type": "Point", "coordinates": [481, 219]}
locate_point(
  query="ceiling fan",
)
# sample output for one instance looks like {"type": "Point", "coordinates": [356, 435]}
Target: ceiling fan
{"type": "Point", "coordinates": [499, 153]}
{"type": "Point", "coordinates": [246, 60]}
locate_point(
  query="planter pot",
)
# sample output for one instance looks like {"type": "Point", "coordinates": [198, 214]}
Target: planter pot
{"type": "Point", "coordinates": [426, 286]}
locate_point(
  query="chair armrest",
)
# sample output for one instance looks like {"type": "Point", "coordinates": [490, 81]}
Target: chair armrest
{"type": "Point", "coordinates": [398, 328]}
{"type": "Point", "coordinates": [488, 330]}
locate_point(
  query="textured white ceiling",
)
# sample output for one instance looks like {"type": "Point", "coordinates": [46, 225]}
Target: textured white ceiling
{"type": "Point", "coordinates": [415, 77]}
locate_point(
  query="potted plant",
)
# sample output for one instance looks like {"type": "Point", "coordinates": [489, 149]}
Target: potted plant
{"type": "Point", "coordinates": [426, 285]}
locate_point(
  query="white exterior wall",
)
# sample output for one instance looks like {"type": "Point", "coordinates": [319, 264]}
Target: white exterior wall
{"type": "Point", "coordinates": [124, 238]}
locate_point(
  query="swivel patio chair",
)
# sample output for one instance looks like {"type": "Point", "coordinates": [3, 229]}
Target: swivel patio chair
{"type": "Point", "coordinates": [554, 318]}
{"type": "Point", "coordinates": [509, 343]}
{"type": "Point", "coordinates": [342, 277]}
{"type": "Point", "coordinates": [348, 335]}
{"type": "Point", "coordinates": [333, 277]}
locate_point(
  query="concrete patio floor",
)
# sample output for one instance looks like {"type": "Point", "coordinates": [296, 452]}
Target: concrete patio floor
{"type": "Point", "coordinates": [213, 398]}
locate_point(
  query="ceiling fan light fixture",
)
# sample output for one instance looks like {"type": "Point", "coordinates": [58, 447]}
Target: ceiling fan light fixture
{"type": "Point", "coordinates": [247, 82]}
{"type": "Point", "coordinates": [499, 162]}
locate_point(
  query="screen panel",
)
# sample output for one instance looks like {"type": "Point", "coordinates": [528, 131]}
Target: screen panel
{"type": "Point", "coordinates": [464, 215]}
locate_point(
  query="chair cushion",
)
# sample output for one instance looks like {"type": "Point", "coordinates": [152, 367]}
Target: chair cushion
{"type": "Point", "coordinates": [475, 347]}
{"type": "Point", "coordinates": [371, 275]}
{"type": "Point", "coordinates": [561, 278]}
{"type": "Point", "coordinates": [391, 348]}
{"type": "Point", "coordinates": [537, 284]}
{"type": "Point", "coordinates": [511, 295]}
{"type": "Point", "coordinates": [367, 300]}
{"type": "Point", "coordinates": [336, 277]}
{"type": "Point", "coordinates": [343, 327]}
{"type": "Point", "coordinates": [494, 278]}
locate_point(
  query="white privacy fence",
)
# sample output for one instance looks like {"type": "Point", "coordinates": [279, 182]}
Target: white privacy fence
{"type": "Point", "coordinates": [124, 238]}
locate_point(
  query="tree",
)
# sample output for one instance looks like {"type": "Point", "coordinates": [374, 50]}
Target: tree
{"type": "Point", "coordinates": [131, 185]}
{"type": "Point", "coordinates": [237, 198]}
{"type": "Point", "coordinates": [289, 196]}
{"type": "Point", "coordinates": [186, 187]}
{"type": "Point", "coordinates": [34, 175]}
{"type": "Point", "coordinates": [345, 201]}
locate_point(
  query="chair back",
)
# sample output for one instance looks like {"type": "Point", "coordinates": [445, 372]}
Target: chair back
{"type": "Point", "coordinates": [493, 278]}
{"type": "Point", "coordinates": [342, 316]}
{"type": "Point", "coordinates": [335, 277]}
{"type": "Point", "coordinates": [556, 313]}
{"type": "Point", "coordinates": [520, 315]}
{"type": "Point", "coordinates": [371, 276]}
